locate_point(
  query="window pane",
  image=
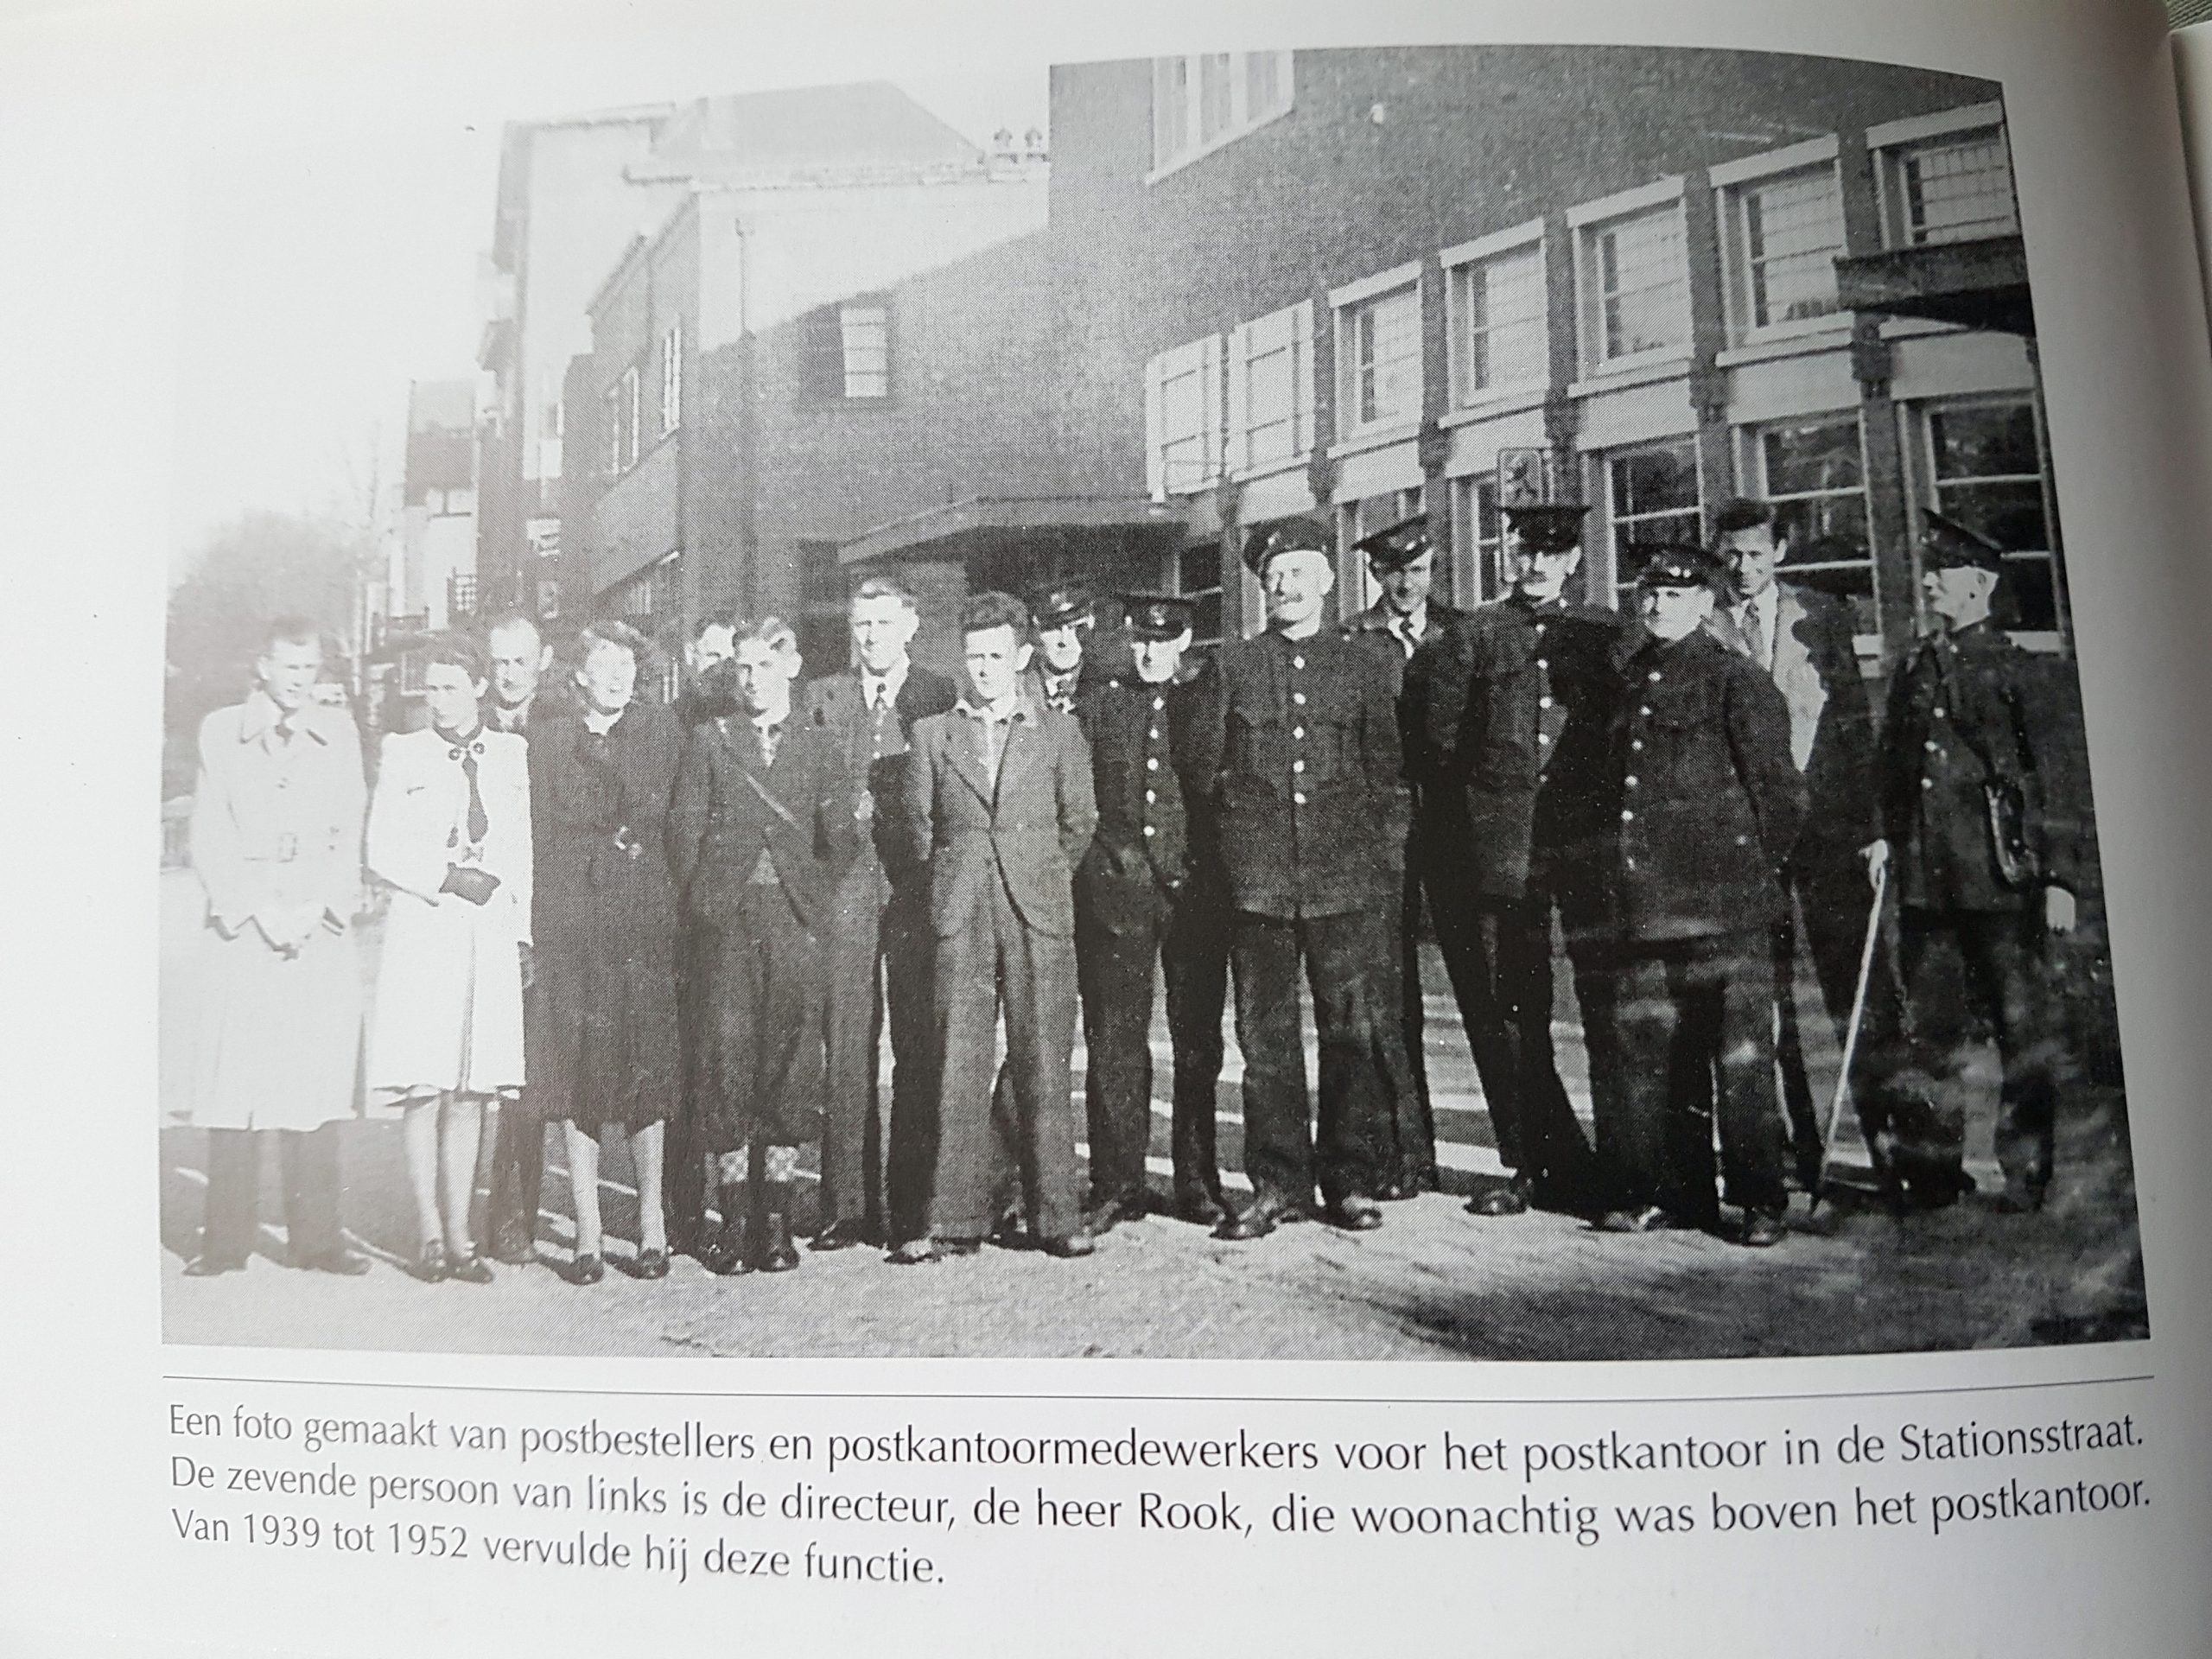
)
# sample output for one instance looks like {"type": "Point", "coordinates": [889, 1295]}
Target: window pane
{"type": "Point", "coordinates": [1822, 456]}
{"type": "Point", "coordinates": [1662, 479]}
{"type": "Point", "coordinates": [1793, 229]}
{"type": "Point", "coordinates": [1505, 321]}
{"type": "Point", "coordinates": [1958, 190]}
{"type": "Point", "coordinates": [2028, 600]}
{"type": "Point", "coordinates": [1985, 441]}
{"type": "Point", "coordinates": [866, 331]}
{"type": "Point", "coordinates": [1263, 84]}
{"type": "Point", "coordinates": [1171, 110]}
{"type": "Point", "coordinates": [2009, 513]}
{"type": "Point", "coordinates": [1386, 335]}
{"type": "Point", "coordinates": [1641, 282]}
{"type": "Point", "coordinates": [1213, 96]}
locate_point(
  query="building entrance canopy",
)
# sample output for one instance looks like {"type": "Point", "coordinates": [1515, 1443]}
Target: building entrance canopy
{"type": "Point", "coordinates": [988, 531]}
{"type": "Point", "coordinates": [1983, 284]}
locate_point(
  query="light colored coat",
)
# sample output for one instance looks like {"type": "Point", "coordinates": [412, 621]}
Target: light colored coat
{"type": "Point", "coordinates": [276, 826]}
{"type": "Point", "coordinates": [448, 1006]}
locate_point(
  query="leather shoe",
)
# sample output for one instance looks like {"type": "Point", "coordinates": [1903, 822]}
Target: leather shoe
{"type": "Point", "coordinates": [2019, 1198]}
{"type": "Point", "coordinates": [1353, 1214]}
{"type": "Point", "coordinates": [769, 1247]}
{"type": "Point", "coordinates": [430, 1265]}
{"type": "Point", "coordinates": [1104, 1214]}
{"type": "Point", "coordinates": [512, 1246]}
{"type": "Point", "coordinates": [204, 1266]}
{"type": "Point", "coordinates": [586, 1270]}
{"type": "Point", "coordinates": [471, 1269]}
{"type": "Point", "coordinates": [1267, 1211]}
{"type": "Point", "coordinates": [1762, 1229]}
{"type": "Point", "coordinates": [347, 1264]}
{"type": "Point", "coordinates": [646, 1264]}
{"type": "Point", "coordinates": [1651, 1218]}
{"type": "Point", "coordinates": [1201, 1208]}
{"type": "Point", "coordinates": [1510, 1199]}
{"type": "Point", "coordinates": [914, 1252]}
{"type": "Point", "coordinates": [1068, 1245]}
{"type": "Point", "coordinates": [842, 1236]}
{"type": "Point", "coordinates": [724, 1254]}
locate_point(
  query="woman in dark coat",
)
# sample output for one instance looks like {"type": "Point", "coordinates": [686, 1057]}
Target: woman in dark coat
{"type": "Point", "coordinates": [603, 1045]}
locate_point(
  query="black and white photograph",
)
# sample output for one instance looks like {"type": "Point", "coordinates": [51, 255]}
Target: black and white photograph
{"type": "Point", "coordinates": [1400, 702]}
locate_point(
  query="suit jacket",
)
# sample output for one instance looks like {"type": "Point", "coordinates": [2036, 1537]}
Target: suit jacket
{"type": "Point", "coordinates": [1815, 668]}
{"type": "Point", "coordinates": [1508, 718]}
{"type": "Point", "coordinates": [1029, 831]}
{"type": "Point", "coordinates": [599, 821]}
{"type": "Point", "coordinates": [1967, 709]}
{"type": "Point", "coordinates": [1709, 804]}
{"type": "Point", "coordinates": [720, 825]}
{"type": "Point", "coordinates": [835, 703]}
{"type": "Point", "coordinates": [1139, 738]}
{"type": "Point", "coordinates": [1371, 631]}
{"type": "Point", "coordinates": [1299, 741]}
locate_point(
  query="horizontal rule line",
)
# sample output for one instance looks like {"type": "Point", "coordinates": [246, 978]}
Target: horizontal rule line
{"type": "Point", "coordinates": [1184, 1398]}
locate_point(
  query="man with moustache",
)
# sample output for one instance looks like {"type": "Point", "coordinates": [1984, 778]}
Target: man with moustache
{"type": "Point", "coordinates": [1148, 891]}
{"type": "Point", "coordinates": [1709, 807]}
{"type": "Point", "coordinates": [879, 946]}
{"type": "Point", "coordinates": [1403, 560]}
{"type": "Point", "coordinates": [1984, 859]}
{"type": "Point", "coordinates": [1301, 740]}
{"type": "Point", "coordinates": [1506, 721]}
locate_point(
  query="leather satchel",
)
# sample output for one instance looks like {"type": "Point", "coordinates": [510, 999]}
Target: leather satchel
{"type": "Point", "coordinates": [2007, 812]}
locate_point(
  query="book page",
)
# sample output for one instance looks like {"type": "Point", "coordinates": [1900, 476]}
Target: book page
{"type": "Point", "coordinates": [996, 830]}
{"type": "Point", "coordinates": [2190, 46]}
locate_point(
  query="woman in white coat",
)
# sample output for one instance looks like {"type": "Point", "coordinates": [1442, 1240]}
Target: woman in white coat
{"type": "Point", "coordinates": [449, 832]}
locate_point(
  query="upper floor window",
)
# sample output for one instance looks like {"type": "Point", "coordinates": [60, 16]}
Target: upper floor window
{"type": "Point", "coordinates": [1782, 228]}
{"type": "Point", "coordinates": [1944, 178]}
{"type": "Point", "coordinates": [1500, 339]}
{"type": "Point", "coordinates": [1633, 277]}
{"type": "Point", "coordinates": [848, 347]}
{"type": "Point", "coordinates": [1378, 351]}
{"type": "Point", "coordinates": [1201, 102]}
{"type": "Point", "coordinates": [672, 377]}
{"type": "Point", "coordinates": [1183, 418]}
{"type": "Point", "coordinates": [1271, 389]}
{"type": "Point", "coordinates": [620, 406]}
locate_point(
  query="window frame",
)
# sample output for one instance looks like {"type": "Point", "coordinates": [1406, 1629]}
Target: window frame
{"type": "Point", "coordinates": [1190, 94]}
{"type": "Point", "coordinates": [1924, 487]}
{"type": "Point", "coordinates": [826, 333]}
{"type": "Point", "coordinates": [1615, 585]}
{"type": "Point", "coordinates": [1256, 341]}
{"type": "Point", "coordinates": [1346, 306]}
{"type": "Point", "coordinates": [1201, 360]}
{"type": "Point", "coordinates": [1461, 265]}
{"type": "Point", "coordinates": [1892, 144]}
{"type": "Point", "coordinates": [1734, 186]}
{"type": "Point", "coordinates": [1751, 468]}
{"type": "Point", "coordinates": [1590, 223]}
{"type": "Point", "coordinates": [672, 377]}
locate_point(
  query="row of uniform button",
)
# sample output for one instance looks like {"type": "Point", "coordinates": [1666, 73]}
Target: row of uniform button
{"type": "Point", "coordinates": [1152, 761]}
{"type": "Point", "coordinates": [1298, 734]}
{"type": "Point", "coordinates": [1933, 747]}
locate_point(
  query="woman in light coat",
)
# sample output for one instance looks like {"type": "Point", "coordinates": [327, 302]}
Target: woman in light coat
{"type": "Point", "coordinates": [449, 832]}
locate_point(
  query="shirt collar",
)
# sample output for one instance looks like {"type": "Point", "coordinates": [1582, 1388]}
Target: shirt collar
{"type": "Point", "coordinates": [892, 682]}
{"type": "Point", "coordinates": [1016, 706]}
{"type": "Point", "coordinates": [261, 715]}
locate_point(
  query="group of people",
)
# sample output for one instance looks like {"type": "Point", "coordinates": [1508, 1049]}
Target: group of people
{"type": "Point", "coordinates": [687, 926]}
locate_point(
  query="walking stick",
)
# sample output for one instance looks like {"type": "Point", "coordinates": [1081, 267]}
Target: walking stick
{"type": "Point", "coordinates": [1850, 1031]}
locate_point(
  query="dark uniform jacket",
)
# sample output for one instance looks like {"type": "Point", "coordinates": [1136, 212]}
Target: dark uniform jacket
{"type": "Point", "coordinates": [1300, 738]}
{"type": "Point", "coordinates": [1371, 631]}
{"type": "Point", "coordinates": [1709, 802]}
{"type": "Point", "coordinates": [599, 815]}
{"type": "Point", "coordinates": [1816, 667]}
{"type": "Point", "coordinates": [1507, 722]}
{"type": "Point", "coordinates": [1141, 738]}
{"type": "Point", "coordinates": [835, 703]}
{"type": "Point", "coordinates": [730, 812]}
{"type": "Point", "coordinates": [1029, 830]}
{"type": "Point", "coordinates": [1966, 710]}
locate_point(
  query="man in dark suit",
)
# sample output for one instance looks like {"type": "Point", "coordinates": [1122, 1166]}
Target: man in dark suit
{"type": "Point", "coordinates": [1801, 640]}
{"type": "Point", "coordinates": [761, 829]}
{"type": "Point", "coordinates": [1143, 894]}
{"type": "Point", "coordinates": [1507, 724]}
{"type": "Point", "coordinates": [1709, 808]}
{"type": "Point", "coordinates": [1301, 739]}
{"type": "Point", "coordinates": [999, 804]}
{"type": "Point", "coordinates": [1402, 560]}
{"type": "Point", "coordinates": [1984, 855]}
{"type": "Point", "coordinates": [881, 945]}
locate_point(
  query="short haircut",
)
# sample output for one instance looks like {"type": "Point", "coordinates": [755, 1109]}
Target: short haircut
{"type": "Point", "coordinates": [770, 631]}
{"type": "Point", "coordinates": [454, 649]}
{"type": "Point", "coordinates": [1745, 513]}
{"type": "Point", "coordinates": [719, 616]}
{"type": "Point", "coordinates": [985, 611]}
{"type": "Point", "coordinates": [887, 587]}
{"type": "Point", "coordinates": [507, 620]}
{"type": "Point", "coordinates": [290, 631]}
{"type": "Point", "coordinates": [611, 633]}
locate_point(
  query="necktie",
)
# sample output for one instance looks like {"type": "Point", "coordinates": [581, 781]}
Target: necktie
{"type": "Point", "coordinates": [772, 738]}
{"type": "Point", "coordinates": [479, 824]}
{"type": "Point", "coordinates": [1755, 630]}
{"type": "Point", "coordinates": [1403, 627]}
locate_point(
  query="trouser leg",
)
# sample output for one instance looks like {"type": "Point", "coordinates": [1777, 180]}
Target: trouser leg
{"type": "Point", "coordinates": [2001, 958]}
{"type": "Point", "coordinates": [1037, 979]}
{"type": "Point", "coordinates": [1801, 1116]}
{"type": "Point", "coordinates": [909, 957]}
{"type": "Point", "coordinates": [1354, 1122]}
{"type": "Point", "coordinates": [1551, 1143]}
{"type": "Point", "coordinates": [1115, 970]}
{"type": "Point", "coordinates": [1406, 1148]}
{"type": "Point", "coordinates": [852, 1137]}
{"type": "Point", "coordinates": [1913, 1072]}
{"type": "Point", "coordinates": [233, 1194]}
{"type": "Point", "coordinates": [313, 1182]}
{"type": "Point", "coordinates": [1413, 1022]}
{"type": "Point", "coordinates": [1751, 1124]}
{"type": "Point", "coordinates": [1278, 1112]}
{"type": "Point", "coordinates": [962, 1187]}
{"type": "Point", "coordinates": [1195, 961]}
{"type": "Point", "coordinates": [1467, 935]}
{"type": "Point", "coordinates": [1633, 1141]}
{"type": "Point", "coordinates": [518, 1172]}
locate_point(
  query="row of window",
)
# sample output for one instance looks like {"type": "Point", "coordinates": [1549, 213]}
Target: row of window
{"type": "Point", "coordinates": [624, 404]}
{"type": "Point", "coordinates": [1199, 103]}
{"type": "Point", "coordinates": [1245, 403]}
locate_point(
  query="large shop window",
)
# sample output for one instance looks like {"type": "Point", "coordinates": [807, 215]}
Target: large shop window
{"type": "Point", "coordinates": [1651, 495]}
{"type": "Point", "coordinates": [1499, 341]}
{"type": "Point", "coordinates": [847, 350]}
{"type": "Point", "coordinates": [1271, 390]}
{"type": "Point", "coordinates": [1945, 178]}
{"type": "Point", "coordinates": [1783, 233]}
{"type": "Point", "coordinates": [1200, 102]}
{"type": "Point", "coordinates": [1985, 466]}
{"type": "Point", "coordinates": [1378, 354]}
{"type": "Point", "coordinates": [1815, 473]}
{"type": "Point", "coordinates": [1636, 288]}
{"type": "Point", "coordinates": [1183, 418]}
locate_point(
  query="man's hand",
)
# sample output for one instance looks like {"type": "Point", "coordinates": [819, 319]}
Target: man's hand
{"type": "Point", "coordinates": [1876, 855]}
{"type": "Point", "coordinates": [2058, 913]}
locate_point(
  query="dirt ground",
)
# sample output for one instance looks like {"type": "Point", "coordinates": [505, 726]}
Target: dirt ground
{"type": "Point", "coordinates": [1433, 1283]}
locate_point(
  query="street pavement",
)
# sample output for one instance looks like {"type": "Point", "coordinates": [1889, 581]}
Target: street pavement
{"type": "Point", "coordinates": [1433, 1282]}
